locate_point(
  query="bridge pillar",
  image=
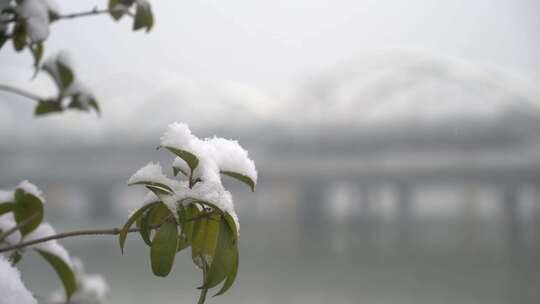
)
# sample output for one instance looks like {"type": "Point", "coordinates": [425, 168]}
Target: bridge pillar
{"type": "Point", "coordinates": [312, 207]}
{"type": "Point", "coordinates": [100, 200]}
{"type": "Point", "coordinates": [404, 201]}
{"type": "Point", "coordinates": [510, 203]}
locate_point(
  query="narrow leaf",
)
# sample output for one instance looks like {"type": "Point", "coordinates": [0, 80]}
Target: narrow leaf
{"type": "Point", "coordinates": [231, 277]}
{"type": "Point", "coordinates": [65, 73]}
{"type": "Point", "coordinates": [19, 37]}
{"type": "Point", "coordinates": [125, 230]}
{"type": "Point", "coordinates": [241, 177]}
{"type": "Point", "coordinates": [163, 248]}
{"type": "Point", "coordinates": [188, 157]}
{"type": "Point", "coordinates": [158, 186]}
{"type": "Point", "coordinates": [47, 107]}
{"type": "Point", "coordinates": [204, 243]}
{"type": "Point", "coordinates": [224, 257]}
{"type": "Point", "coordinates": [63, 270]}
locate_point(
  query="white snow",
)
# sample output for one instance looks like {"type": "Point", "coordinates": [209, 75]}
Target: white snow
{"type": "Point", "coordinates": [7, 222]}
{"type": "Point", "coordinates": [230, 156]}
{"type": "Point", "coordinates": [11, 287]}
{"type": "Point", "coordinates": [150, 197]}
{"type": "Point", "coordinates": [214, 154]}
{"type": "Point", "coordinates": [152, 172]}
{"type": "Point", "coordinates": [28, 187]}
{"type": "Point", "coordinates": [36, 16]}
{"type": "Point", "coordinates": [53, 247]}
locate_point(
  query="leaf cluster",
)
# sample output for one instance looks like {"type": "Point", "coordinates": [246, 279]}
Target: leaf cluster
{"type": "Point", "coordinates": [27, 210]}
{"type": "Point", "coordinates": [209, 231]}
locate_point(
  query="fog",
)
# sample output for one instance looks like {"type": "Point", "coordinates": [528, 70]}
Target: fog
{"type": "Point", "coordinates": [397, 144]}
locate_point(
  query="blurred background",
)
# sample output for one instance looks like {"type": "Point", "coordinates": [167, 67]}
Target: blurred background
{"type": "Point", "coordinates": [397, 143]}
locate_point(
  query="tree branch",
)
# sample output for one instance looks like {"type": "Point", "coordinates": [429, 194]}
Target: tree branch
{"type": "Point", "coordinates": [19, 92]}
{"type": "Point", "coordinates": [94, 12]}
{"type": "Point", "coordinates": [112, 231]}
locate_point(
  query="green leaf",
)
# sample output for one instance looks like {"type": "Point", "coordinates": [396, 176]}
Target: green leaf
{"type": "Point", "coordinates": [19, 37]}
{"type": "Point", "coordinates": [143, 17]}
{"type": "Point", "coordinates": [205, 241]}
{"type": "Point", "coordinates": [231, 277]}
{"type": "Point", "coordinates": [232, 225]}
{"type": "Point", "coordinates": [125, 230]}
{"type": "Point", "coordinates": [163, 248]}
{"type": "Point", "coordinates": [144, 226]}
{"type": "Point", "coordinates": [6, 207]}
{"type": "Point", "coordinates": [27, 205]}
{"type": "Point", "coordinates": [65, 73]}
{"type": "Point", "coordinates": [164, 189]}
{"type": "Point", "coordinates": [37, 53]}
{"type": "Point", "coordinates": [93, 104]}
{"type": "Point", "coordinates": [225, 256]}
{"type": "Point", "coordinates": [115, 14]}
{"type": "Point", "coordinates": [188, 226]}
{"type": "Point", "coordinates": [3, 38]}
{"type": "Point", "coordinates": [241, 177]}
{"type": "Point", "coordinates": [63, 270]}
{"type": "Point", "coordinates": [47, 107]}
{"type": "Point", "coordinates": [188, 157]}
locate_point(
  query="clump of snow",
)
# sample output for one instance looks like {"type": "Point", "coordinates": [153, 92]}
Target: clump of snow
{"type": "Point", "coordinates": [52, 246]}
{"type": "Point", "coordinates": [92, 288]}
{"type": "Point", "coordinates": [150, 197]}
{"type": "Point", "coordinates": [215, 154]}
{"type": "Point", "coordinates": [230, 156]}
{"type": "Point", "coordinates": [28, 187]}
{"type": "Point", "coordinates": [35, 14]}
{"type": "Point", "coordinates": [11, 287]}
{"type": "Point", "coordinates": [152, 172]}
{"type": "Point", "coordinates": [6, 223]}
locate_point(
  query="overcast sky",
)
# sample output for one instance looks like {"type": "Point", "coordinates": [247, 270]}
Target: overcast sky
{"type": "Point", "coordinates": [265, 48]}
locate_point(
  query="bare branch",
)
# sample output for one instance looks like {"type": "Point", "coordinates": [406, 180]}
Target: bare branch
{"type": "Point", "coordinates": [94, 12]}
{"type": "Point", "coordinates": [112, 231]}
{"type": "Point", "coordinates": [19, 92]}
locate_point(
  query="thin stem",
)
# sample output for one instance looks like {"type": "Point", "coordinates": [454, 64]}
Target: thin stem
{"type": "Point", "coordinates": [202, 297]}
{"type": "Point", "coordinates": [27, 221]}
{"type": "Point", "coordinates": [94, 12]}
{"type": "Point", "coordinates": [112, 231]}
{"type": "Point", "coordinates": [19, 92]}
{"type": "Point", "coordinates": [204, 291]}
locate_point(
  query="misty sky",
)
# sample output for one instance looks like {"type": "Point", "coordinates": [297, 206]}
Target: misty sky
{"type": "Point", "coordinates": [259, 49]}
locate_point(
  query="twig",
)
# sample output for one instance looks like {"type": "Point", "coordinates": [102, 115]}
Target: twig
{"type": "Point", "coordinates": [4, 235]}
{"type": "Point", "coordinates": [112, 231]}
{"type": "Point", "coordinates": [19, 92]}
{"type": "Point", "coordinates": [94, 12]}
